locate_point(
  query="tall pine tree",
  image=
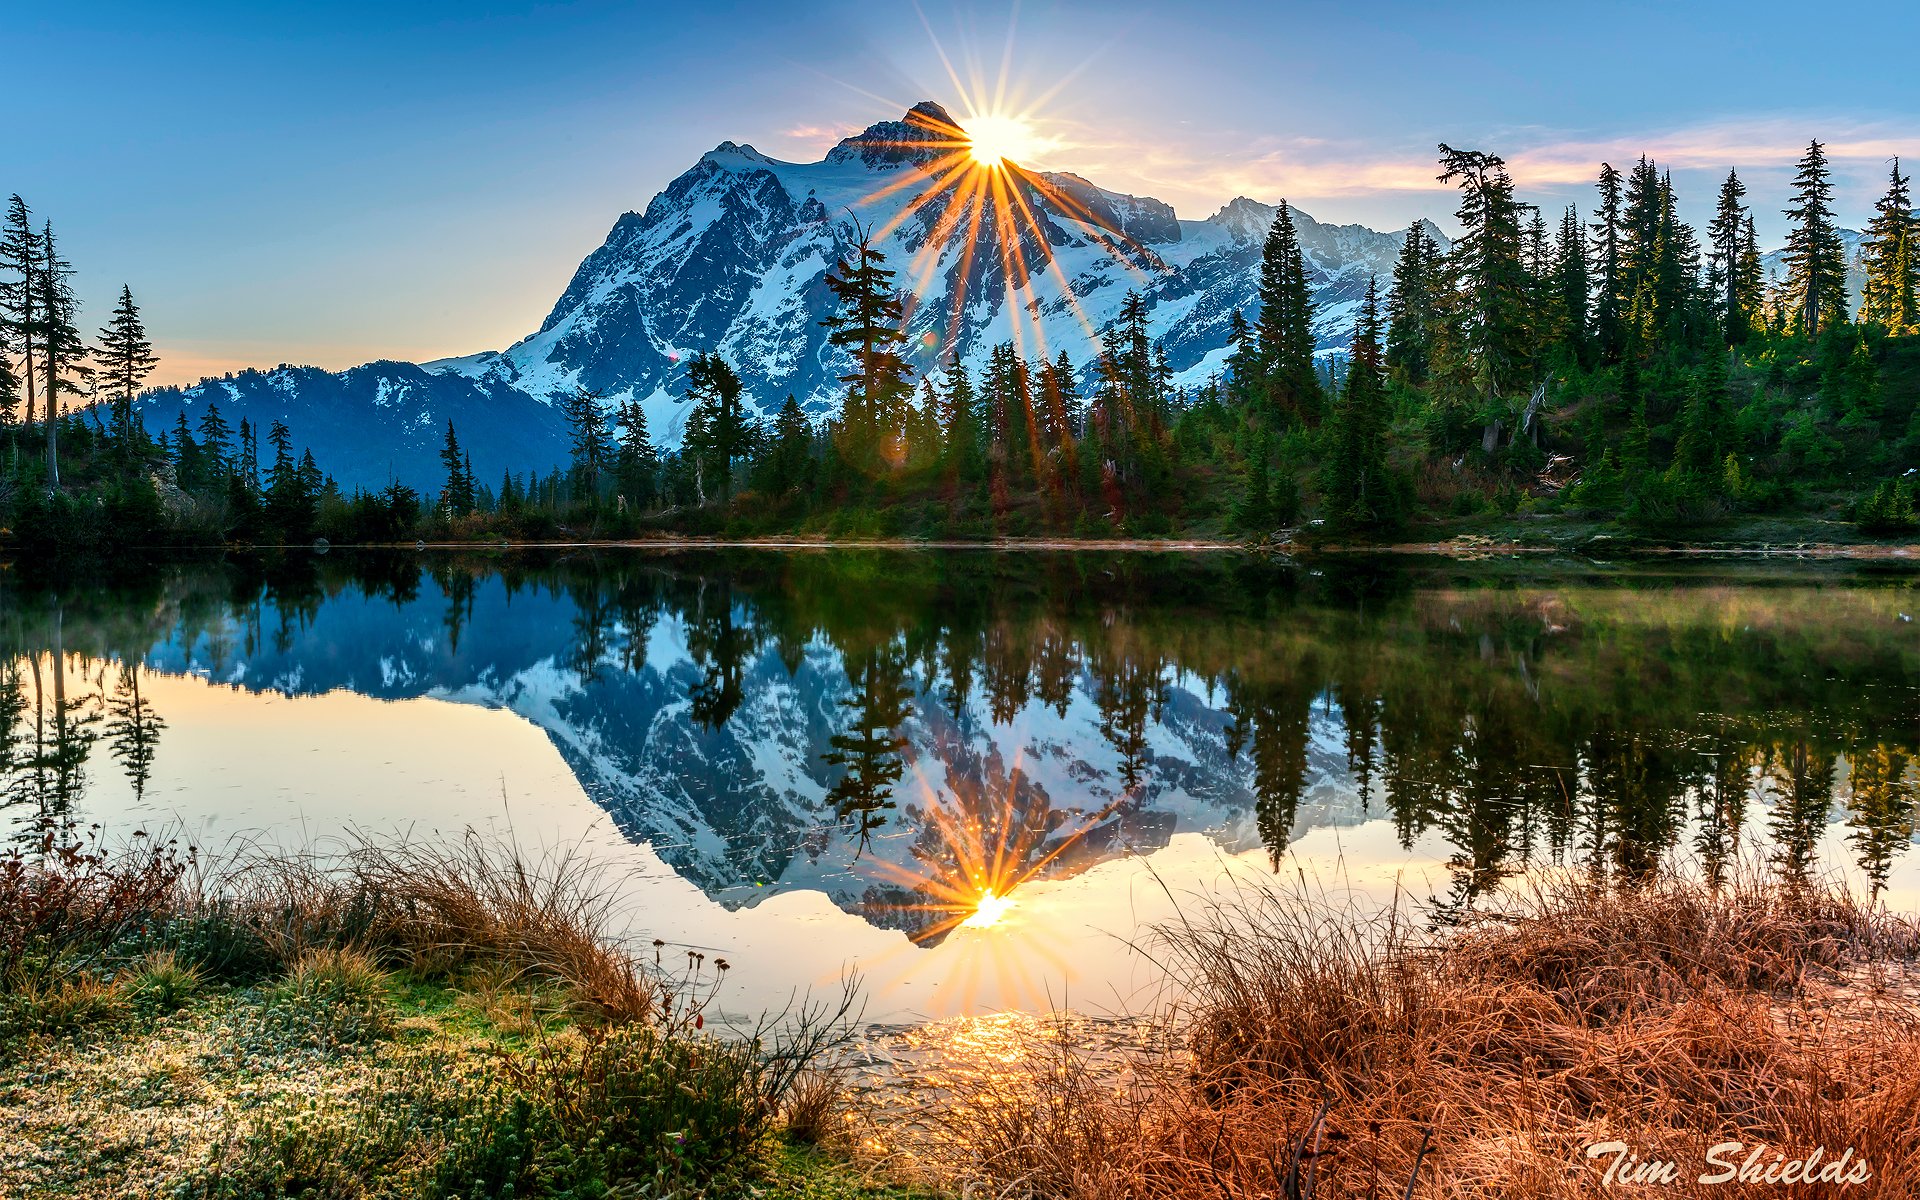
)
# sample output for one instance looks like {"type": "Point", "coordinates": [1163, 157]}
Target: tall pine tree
{"type": "Point", "coordinates": [1890, 299]}
{"type": "Point", "coordinates": [126, 359]}
{"type": "Point", "coordinates": [1816, 257]}
{"type": "Point", "coordinates": [1284, 332]}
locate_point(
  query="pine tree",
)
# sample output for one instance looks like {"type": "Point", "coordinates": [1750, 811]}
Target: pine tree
{"type": "Point", "coordinates": [637, 464]}
{"type": "Point", "coordinates": [589, 439]}
{"type": "Point", "coordinates": [1727, 237]}
{"type": "Point", "coordinates": [1254, 513]}
{"type": "Point", "coordinates": [1607, 323]}
{"type": "Point", "coordinates": [126, 359]}
{"type": "Point", "coordinates": [1571, 287]}
{"type": "Point", "coordinates": [1243, 359]}
{"type": "Point", "coordinates": [62, 351]}
{"type": "Point", "coordinates": [216, 437]}
{"type": "Point", "coordinates": [868, 326]}
{"type": "Point", "coordinates": [1410, 307]}
{"type": "Point", "coordinates": [20, 294]}
{"type": "Point", "coordinates": [456, 495]}
{"type": "Point", "coordinates": [1285, 327]}
{"type": "Point", "coordinates": [1892, 295]}
{"type": "Point", "coordinates": [1490, 271]}
{"type": "Point", "coordinates": [1816, 257]}
{"type": "Point", "coordinates": [1358, 492]}
{"type": "Point", "coordinates": [792, 449]}
{"type": "Point", "coordinates": [723, 431]}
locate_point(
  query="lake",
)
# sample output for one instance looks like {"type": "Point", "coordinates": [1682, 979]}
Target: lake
{"type": "Point", "coordinates": [978, 777]}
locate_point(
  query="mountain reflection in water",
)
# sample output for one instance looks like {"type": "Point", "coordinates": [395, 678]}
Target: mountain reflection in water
{"type": "Point", "coordinates": [918, 735]}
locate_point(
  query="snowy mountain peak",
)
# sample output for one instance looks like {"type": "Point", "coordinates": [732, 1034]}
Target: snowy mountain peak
{"type": "Point", "coordinates": [924, 134]}
{"type": "Point", "coordinates": [732, 256]}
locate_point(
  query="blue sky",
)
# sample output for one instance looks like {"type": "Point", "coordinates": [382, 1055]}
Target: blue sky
{"type": "Point", "coordinates": [331, 183]}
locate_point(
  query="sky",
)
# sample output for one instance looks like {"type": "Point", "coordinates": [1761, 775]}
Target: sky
{"type": "Point", "coordinates": [330, 184]}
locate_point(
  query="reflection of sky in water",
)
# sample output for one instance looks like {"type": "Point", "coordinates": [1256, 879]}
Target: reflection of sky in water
{"type": "Point", "coordinates": [1093, 781]}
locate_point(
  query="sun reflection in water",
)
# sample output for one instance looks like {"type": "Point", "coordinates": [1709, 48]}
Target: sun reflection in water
{"type": "Point", "coordinates": [988, 912]}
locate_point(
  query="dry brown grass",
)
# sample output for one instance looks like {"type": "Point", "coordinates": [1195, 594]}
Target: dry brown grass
{"type": "Point", "coordinates": [1330, 1051]}
{"type": "Point", "coordinates": [474, 908]}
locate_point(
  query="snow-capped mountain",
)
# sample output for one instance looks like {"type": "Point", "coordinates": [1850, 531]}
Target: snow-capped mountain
{"type": "Point", "coordinates": [733, 255]}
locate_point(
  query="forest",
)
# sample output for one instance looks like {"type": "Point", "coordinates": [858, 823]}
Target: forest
{"type": "Point", "coordinates": [1617, 369]}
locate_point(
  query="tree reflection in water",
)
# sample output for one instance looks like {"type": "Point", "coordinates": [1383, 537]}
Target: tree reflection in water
{"type": "Point", "coordinates": [962, 723]}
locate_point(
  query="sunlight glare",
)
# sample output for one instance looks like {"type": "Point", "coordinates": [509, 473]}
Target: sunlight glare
{"type": "Point", "coordinates": [988, 912]}
{"type": "Point", "coordinates": [996, 141]}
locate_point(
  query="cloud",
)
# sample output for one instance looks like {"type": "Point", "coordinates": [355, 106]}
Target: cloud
{"type": "Point", "coordinates": [1204, 171]}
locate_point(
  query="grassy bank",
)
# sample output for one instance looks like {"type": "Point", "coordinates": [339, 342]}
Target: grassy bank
{"type": "Point", "coordinates": [393, 1021]}
{"type": "Point", "coordinates": [405, 1021]}
{"type": "Point", "coordinates": [1332, 1054]}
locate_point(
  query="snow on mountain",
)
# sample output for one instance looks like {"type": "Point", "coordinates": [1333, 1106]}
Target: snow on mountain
{"type": "Point", "coordinates": [733, 255]}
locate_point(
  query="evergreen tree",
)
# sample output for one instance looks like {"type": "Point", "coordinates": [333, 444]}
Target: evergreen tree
{"type": "Point", "coordinates": [868, 327]}
{"type": "Point", "coordinates": [126, 359]}
{"type": "Point", "coordinates": [719, 431]}
{"type": "Point", "coordinates": [1490, 271]}
{"type": "Point", "coordinates": [1571, 287]}
{"type": "Point", "coordinates": [637, 464]}
{"type": "Point", "coordinates": [456, 495]}
{"type": "Point", "coordinates": [216, 438]}
{"type": "Point", "coordinates": [1410, 307]}
{"type": "Point", "coordinates": [62, 351]}
{"type": "Point", "coordinates": [792, 449]}
{"type": "Point", "coordinates": [1291, 387]}
{"type": "Point", "coordinates": [1727, 238]}
{"type": "Point", "coordinates": [20, 294]}
{"type": "Point", "coordinates": [1607, 318]}
{"type": "Point", "coordinates": [1891, 298]}
{"type": "Point", "coordinates": [1254, 513]}
{"type": "Point", "coordinates": [1816, 257]}
{"type": "Point", "coordinates": [589, 440]}
{"type": "Point", "coordinates": [1243, 359]}
{"type": "Point", "coordinates": [1358, 491]}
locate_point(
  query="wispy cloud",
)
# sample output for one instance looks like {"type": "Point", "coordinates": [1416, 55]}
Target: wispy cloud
{"type": "Point", "coordinates": [1203, 171]}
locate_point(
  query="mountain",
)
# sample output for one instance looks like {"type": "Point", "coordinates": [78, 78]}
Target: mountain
{"type": "Point", "coordinates": [733, 256]}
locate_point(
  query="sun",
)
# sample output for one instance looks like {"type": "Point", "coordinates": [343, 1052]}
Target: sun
{"type": "Point", "coordinates": [988, 911]}
{"type": "Point", "coordinates": [996, 140]}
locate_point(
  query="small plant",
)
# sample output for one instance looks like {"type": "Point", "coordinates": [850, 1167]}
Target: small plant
{"type": "Point", "coordinates": [163, 981]}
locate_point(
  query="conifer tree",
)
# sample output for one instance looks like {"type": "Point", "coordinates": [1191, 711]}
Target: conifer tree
{"type": "Point", "coordinates": [868, 327]}
{"type": "Point", "coordinates": [1285, 327]}
{"type": "Point", "coordinates": [20, 294]}
{"type": "Point", "coordinates": [1491, 273]}
{"type": "Point", "coordinates": [1727, 238]}
{"type": "Point", "coordinates": [1358, 492]}
{"type": "Point", "coordinates": [1410, 307]}
{"type": "Point", "coordinates": [1571, 287]}
{"type": "Point", "coordinates": [1254, 513]}
{"type": "Point", "coordinates": [723, 432]}
{"type": "Point", "coordinates": [62, 350]}
{"type": "Point", "coordinates": [216, 437]}
{"type": "Point", "coordinates": [126, 359]}
{"type": "Point", "coordinates": [590, 442]}
{"type": "Point", "coordinates": [1816, 257]}
{"type": "Point", "coordinates": [1607, 317]}
{"type": "Point", "coordinates": [792, 449]}
{"type": "Point", "coordinates": [1892, 295]}
{"type": "Point", "coordinates": [637, 462]}
{"type": "Point", "coordinates": [456, 495]}
{"type": "Point", "coordinates": [1243, 359]}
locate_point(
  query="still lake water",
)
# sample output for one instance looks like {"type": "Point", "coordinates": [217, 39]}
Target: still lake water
{"type": "Point", "coordinates": [976, 777]}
